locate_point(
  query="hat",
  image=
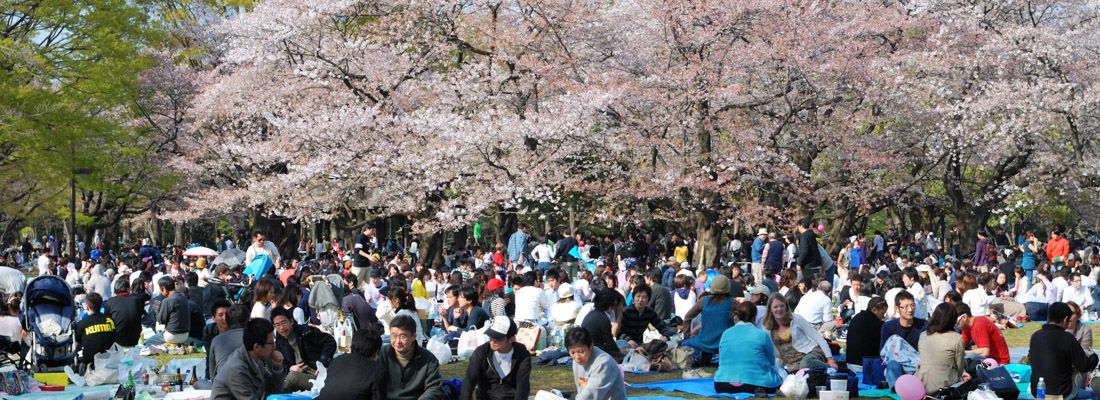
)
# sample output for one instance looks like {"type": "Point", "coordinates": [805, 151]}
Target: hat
{"type": "Point", "coordinates": [200, 263]}
{"type": "Point", "coordinates": [673, 258]}
{"type": "Point", "coordinates": [686, 273]}
{"type": "Point", "coordinates": [565, 290]}
{"type": "Point", "coordinates": [501, 327]}
{"type": "Point", "coordinates": [720, 284]}
{"type": "Point", "coordinates": [375, 273]}
{"type": "Point", "coordinates": [495, 284]}
{"type": "Point", "coordinates": [852, 238]}
{"type": "Point", "coordinates": [685, 265]}
{"type": "Point", "coordinates": [762, 231]}
{"type": "Point", "coordinates": [758, 289]}
{"type": "Point", "coordinates": [924, 268]}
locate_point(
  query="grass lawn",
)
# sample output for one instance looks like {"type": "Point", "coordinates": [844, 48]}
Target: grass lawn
{"type": "Point", "coordinates": [561, 378]}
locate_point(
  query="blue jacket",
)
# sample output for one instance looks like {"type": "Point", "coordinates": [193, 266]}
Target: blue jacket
{"type": "Point", "coordinates": [757, 249]}
{"type": "Point", "coordinates": [747, 356]}
{"type": "Point", "coordinates": [517, 245]}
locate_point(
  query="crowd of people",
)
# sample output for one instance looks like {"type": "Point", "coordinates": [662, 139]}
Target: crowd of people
{"type": "Point", "coordinates": [908, 304]}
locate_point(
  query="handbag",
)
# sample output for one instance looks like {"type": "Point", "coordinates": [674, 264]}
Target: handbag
{"type": "Point", "coordinates": [681, 357]}
{"type": "Point", "coordinates": [958, 391]}
{"type": "Point", "coordinates": [529, 337]}
{"type": "Point", "coordinates": [874, 371]}
{"type": "Point", "coordinates": [999, 381]}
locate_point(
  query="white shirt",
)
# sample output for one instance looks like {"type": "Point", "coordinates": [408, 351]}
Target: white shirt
{"type": "Point", "coordinates": [268, 249]}
{"type": "Point", "coordinates": [566, 312]}
{"type": "Point", "coordinates": [542, 253]}
{"type": "Point", "coordinates": [503, 363]}
{"type": "Point", "coordinates": [530, 304]}
{"type": "Point", "coordinates": [1080, 296]}
{"type": "Point", "coordinates": [815, 307]}
{"type": "Point", "coordinates": [43, 265]}
{"type": "Point", "coordinates": [583, 312]}
{"type": "Point", "coordinates": [682, 305]}
{"type": "Point", "coordinates": [582, 292]}
{"type": "Point", "coordinates": [978, 301]}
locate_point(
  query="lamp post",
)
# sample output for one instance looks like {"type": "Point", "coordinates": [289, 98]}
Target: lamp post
{"type": "Point", "coordinates": [72, 207]}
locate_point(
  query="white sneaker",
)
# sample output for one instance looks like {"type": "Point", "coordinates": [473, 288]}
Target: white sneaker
{"type": "Point", "coordinates": [697, 374]}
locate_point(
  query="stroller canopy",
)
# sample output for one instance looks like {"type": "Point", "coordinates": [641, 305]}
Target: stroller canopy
{"type": "Point", "coordinates": [48, 289]}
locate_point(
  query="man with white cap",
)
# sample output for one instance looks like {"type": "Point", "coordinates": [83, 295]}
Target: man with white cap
{"type": "Point", "coordinates": [499, 369]}
{"type": "Point", "coordinates": [757, 254]}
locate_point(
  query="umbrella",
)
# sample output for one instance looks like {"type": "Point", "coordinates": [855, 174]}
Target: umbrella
{"type": "Point", "coordinates": [200, 252]}
{"type": "Point", "coordinates": [231, 257]}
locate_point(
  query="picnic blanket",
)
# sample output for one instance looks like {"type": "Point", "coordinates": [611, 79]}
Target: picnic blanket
{"type": "Point", "coordinates": [699, 387]}
{"type": "Point", "coordinates": [72, 392]}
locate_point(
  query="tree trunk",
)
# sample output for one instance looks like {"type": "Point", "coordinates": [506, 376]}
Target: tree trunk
{"type": "Point", "coordinates": [507, 222]}
{"type": "Point", "coordinates": [432, 250]}
{"type": "Point", "coordinates": [708, 240]}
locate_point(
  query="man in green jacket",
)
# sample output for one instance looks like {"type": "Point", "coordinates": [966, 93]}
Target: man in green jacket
{"type": "Point", "coordinates": [412, 372]}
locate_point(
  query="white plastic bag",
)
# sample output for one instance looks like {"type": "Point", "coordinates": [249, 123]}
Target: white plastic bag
{"type": "Point", "coordinates": [319, 381]}
{"type": "Point", "coordinates": [437, 345]}
{"type": "Point", "coordinates": [469, 341]}
{"type": "Point", "coordinates": [650, 335]}
{"type": "Point", "coordinates": [795, 387]}
{"type": "Point", "coordinates": [635, 362]}
{"type": "Point", "coordinates": [982, 394]}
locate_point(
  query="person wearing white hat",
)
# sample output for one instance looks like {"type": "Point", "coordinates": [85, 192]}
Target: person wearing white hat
{"type": "Point", "coordinates": [565, 310]}
{"type": "Point", "coordinates": [757, 255]}
{"type": "Point", "coordinates": [498, 369]}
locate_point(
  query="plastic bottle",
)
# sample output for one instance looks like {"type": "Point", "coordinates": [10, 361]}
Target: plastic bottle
{"type": "Point", "coordinates": [130, 381]}
{"type": "Point", "coordinates": [1041, 389]}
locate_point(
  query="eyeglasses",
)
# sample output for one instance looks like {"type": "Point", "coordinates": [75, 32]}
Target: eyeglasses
{"type": "Point", "coordinates": [269, 344]}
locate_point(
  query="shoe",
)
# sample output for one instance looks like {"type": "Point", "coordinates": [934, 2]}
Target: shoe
{"type": "Point", "coordinates": [697, 374]}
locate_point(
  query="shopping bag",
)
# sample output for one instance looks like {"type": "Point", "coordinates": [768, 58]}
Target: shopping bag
{"type": "Point", "coordinates": [469, 341]}
{"type": "Point", "coordinates": [529, 337]}
{"type": "Point", "coordinates": [795, 387]}
{"type": "Point", "coordinates": [634, 361]}
{"type": "Point", "coordinates": [999, 381]}
{"type": "Point", "coordinates": [437, 345]}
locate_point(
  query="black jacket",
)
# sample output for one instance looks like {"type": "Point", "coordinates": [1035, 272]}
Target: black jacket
{"type": "Point", "coordinates": [635, 323]}
{"type": "Point", "coordinates": [481, 373]}
{"type": "Point", "coordinates": [354, 376]}
{"type": "Point", "coordinates": [1055, 355]}
{"type": "Point", "coordinates": [809, 256]}
{"type": "Point", "coordinates": [598, 326]}
{"type": "Point", "coordinates": [863, 337]}
{"type": "Point", "coordinates": [127, 311]}
{"type": "Point", "coordinates": [314, 345]}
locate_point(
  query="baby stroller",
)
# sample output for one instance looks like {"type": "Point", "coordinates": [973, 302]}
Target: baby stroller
{"type": "Point", "coordinates": [48, 314]}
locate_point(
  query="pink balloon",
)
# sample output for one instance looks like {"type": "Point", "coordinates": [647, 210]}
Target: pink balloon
{"type": "Point", "coordinates": [821, 228]}
{"type": "Point", "coordinates": [909, 387]}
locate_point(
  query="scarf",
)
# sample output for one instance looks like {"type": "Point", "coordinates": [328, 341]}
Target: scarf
{"type": "Point", "coordinates": [683, 293]}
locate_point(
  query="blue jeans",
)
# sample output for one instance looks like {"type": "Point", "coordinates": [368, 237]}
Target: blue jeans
{"type": "Point", "coordinates": [1036, 311]}
{"type": "Point", "coordinates": [543, 266]}
{"type": "Point", "coordinates": [894, 371]}
{"type": "Point", "coordinates": [1030, 274]}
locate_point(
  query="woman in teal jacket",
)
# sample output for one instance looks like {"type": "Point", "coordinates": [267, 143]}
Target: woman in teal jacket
{"type": "Point", "coordinates": [746, 361]}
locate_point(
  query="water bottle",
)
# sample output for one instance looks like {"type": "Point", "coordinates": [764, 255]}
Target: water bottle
{"type": "Point", "coordinates": [1041, 389]}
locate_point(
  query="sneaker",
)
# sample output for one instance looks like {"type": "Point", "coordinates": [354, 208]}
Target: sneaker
{"type": "Point", "coordinates": [696, 373]}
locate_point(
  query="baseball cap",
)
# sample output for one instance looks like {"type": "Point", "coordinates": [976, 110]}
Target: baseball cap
{"type": "Point", "coordinates": [760, 289]}
{"type": "Point", "coordinates": [565, 290]}
{"type": "Point", "coordinates": [495, 284]}
{"type": "Point", "coordinates": [501, 327]}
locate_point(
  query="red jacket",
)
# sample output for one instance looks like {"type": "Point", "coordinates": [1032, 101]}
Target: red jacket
{"type": "Point", "coordinates": [1057, 247]}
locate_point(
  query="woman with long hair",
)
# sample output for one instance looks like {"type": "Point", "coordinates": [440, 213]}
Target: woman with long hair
{"type": "Point", "coordinates": [263, 295]}
{"type": "Point", "coordinates": [402, 303]}
{"type": "Point", "coordinates": [289, 300]}
{"type": "Point", "coordinates": [942, 360]}
{"type": "Point", "coordinates": [797, 344]}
